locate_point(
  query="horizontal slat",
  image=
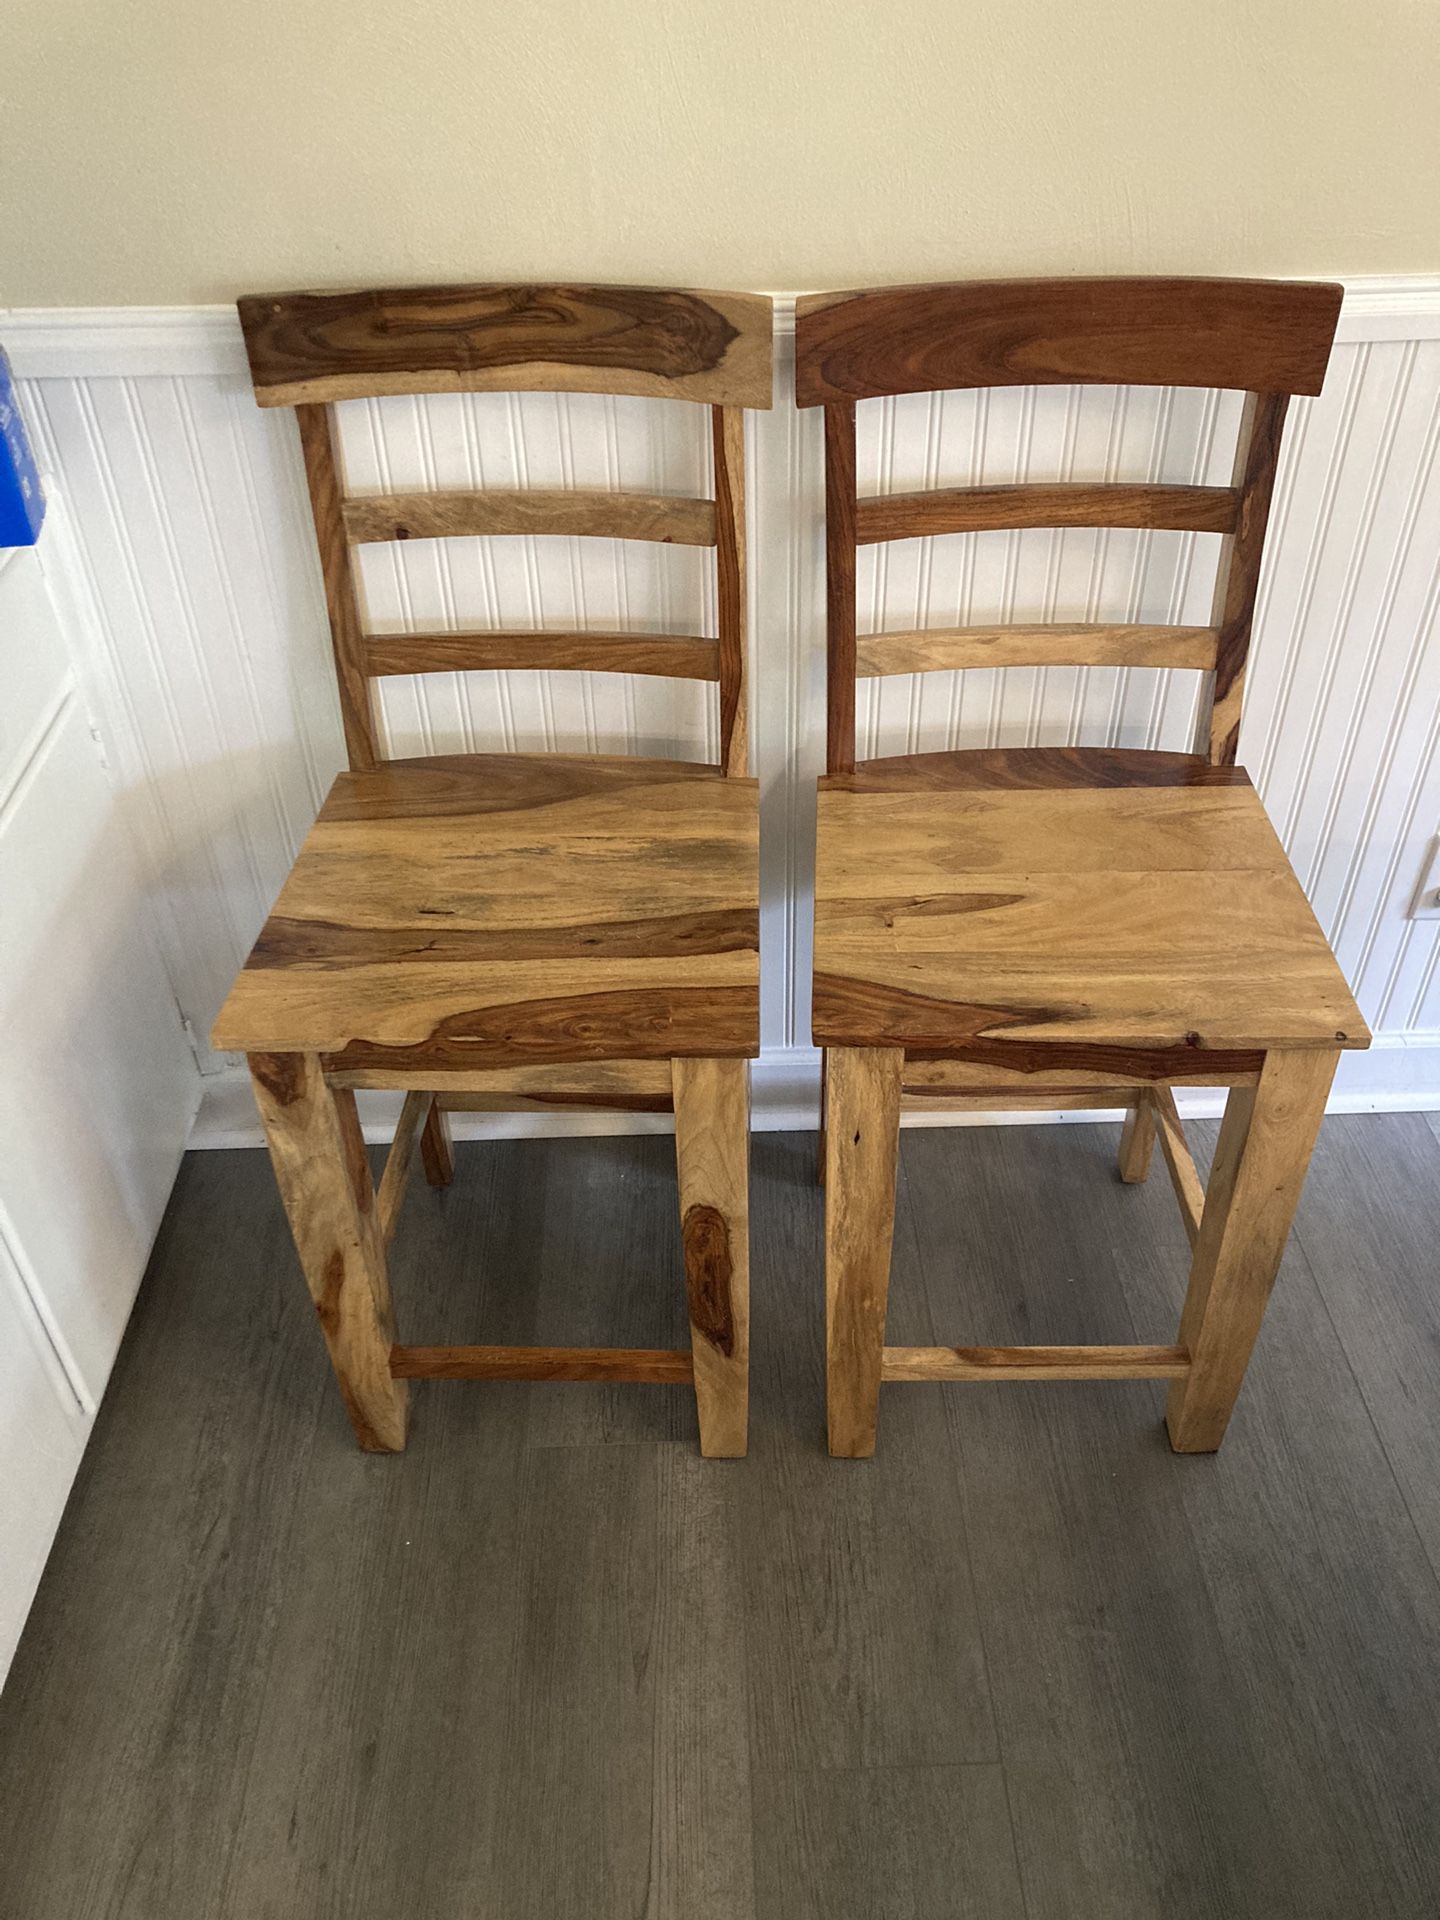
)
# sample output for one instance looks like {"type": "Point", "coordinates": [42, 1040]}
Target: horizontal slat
{"type": "Point", "coordinates": [922, 1075]}
{"type": "Point", "coordinates": [929, 650]}
{"type": "Point", "coordinates": [1178, 1158]}
{"type": "Point", "coordinates": [914, 516]}
{"type": "Point", "coordinates": [594, 1081]}
{"type": "Point", "coordinates": [672, 656]}
{"type": "Point", "coordinates": [1005, 1100]}
{"type": "Point", "coordinates": [1035, 1363]}
{"type": "Point", "coordinates": [661, 342]}
{"type": "Point", "coordinates": [662, 1366]}
{"type": "Point", "coordinates": [671, 519]}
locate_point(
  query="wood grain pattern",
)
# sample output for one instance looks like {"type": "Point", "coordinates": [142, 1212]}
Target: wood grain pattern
{"type": "Point", "coordinates": [651, 341]}
{"type": "Point", "coordinates": [862, 1141]}
{"type": "Point", "coordinates": [1255, 335]}
{"type": "Point", "coordinates": [1155, 920]}
{"type": "Point", "coordinates": [1237, 581]}
{"type": "Point", "coordinates": [728, 440]}
{"type": "Point", "coordinates": [670, 656]}
{"type": "Point", "coordinates": [840, 588]}
{"type": "Point", "coordinates": [1035, 1363]}
{"type": "Point", "coordinates": [318, 1155]}
{"type": "Point", "coordinates": [1052, 644]}
{"type": "Point", "coordinates": [1259, 1168]}
{"type": "Point", "coordinates": [935, 1074]}
{"type": "Point", "coordinates": [657, 1366]}
{"type": "Point", "coordinates": [571, 512]}
{"type": "Point", "coordinates": [643, 1084]}
{"type": "Point", "coordinates": [1189, 1190]}
{"type": "Point", "coordinates": [1137, 1140]}
{"type": "Point", "coordinates": [712, 1151]}
{"type": "Point", "coordinates": [437, 1147]}
{"type": "Point", "coordinates": [1058, 769]}
{"type": "Point", "coordinates": [940, 510]}
{"type": "Point", "coordinates": [421, 931]}
{"type": "Point", "coordinates": [317, 447]}
{"type": "Point", "coordinates": [391, 1191]}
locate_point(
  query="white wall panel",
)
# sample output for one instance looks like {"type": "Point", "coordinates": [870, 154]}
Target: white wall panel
{"type": "Point", "coordinates": [191, 511]}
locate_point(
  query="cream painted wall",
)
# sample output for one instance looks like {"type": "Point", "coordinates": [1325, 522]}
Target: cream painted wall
{"type": "Point", "coordinates": [155, 153]}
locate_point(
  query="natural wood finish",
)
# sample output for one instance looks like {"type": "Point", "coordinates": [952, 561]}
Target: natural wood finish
{"type": "Point", "coordinates": [1035, 1363]}
{"type": "Point", "coordinates": [1145, 930]}
{"type": "Point", "coordinates": [393, 1181]}
{"type": "Point", "coordinates": [1053, 644]}
{"type": "Point", "coordinates": [569, 511]}
{"type": "Point", "coordinates": [1255, 1180]}
{"type": "Point", "coordinates": [1189, 1190]}
{"type": "Point", "coordinates": [862, 1140]}
{"type": "Point", "coordinates": [1035, 769]}
{"type": "Point", "coordinates": [672, 656]}
{"type": "Point", "coordinates": [652, 341]}
{"type": "Point", "coordinates": [1256, 335]}
{"type": "Point", "coordinates": [840, 588]}
{"type": "Point", "coordinates": [728, 440]}
{"type": "Point", "coordinates": [437, 1147]}
{"type": "Point", "coordinates": [1137, 1139]}
{"type": "Point", "coordinates": [712, 1151]}
{"type": "Point", "coordinates": [939, 510]}
{"type": "Point", "coordinates": [317, 446]}
{"type": "Point", "coordinates": [318, 1154]}
{"type": "Point", "coordinates": [925, 1074]}
{"type": "Point", "coordinates": [1057, 1099]}
{"type": "Point", "coordinates": [1237, 580]}
{"type": "Point", "coordinates": [487, 911]}
{"type": "Point", "coordinates": [659, 1366]}
{"type": "Point", "coordinates": [641, 1084]}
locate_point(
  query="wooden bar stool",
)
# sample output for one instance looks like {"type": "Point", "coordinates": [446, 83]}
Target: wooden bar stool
{"type": "Point", "coordinates": [1065, 927]}
{"type": "Point", "coordinates": [497, 931]}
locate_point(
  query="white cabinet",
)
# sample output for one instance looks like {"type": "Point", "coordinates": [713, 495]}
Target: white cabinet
{"type": "Point", "coordinates": [97, 1081]}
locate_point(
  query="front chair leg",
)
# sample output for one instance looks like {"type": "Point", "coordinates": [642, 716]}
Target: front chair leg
{"type": "Point", "coordinates": [318, 1153]}
{"type": "Point", "coordinates": [1263, 1151]}
{"type": "Point", "coordinates": [712, 1153]}
{"type": "Point", "coordinates": [1137, 1139]}
{"type": "Point", "coordinates": [862, 1150]}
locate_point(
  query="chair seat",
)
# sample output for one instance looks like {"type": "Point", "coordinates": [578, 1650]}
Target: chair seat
{"type": "Point", "coordinates": [489, 910]}
{"type": "Point", "coordinates": [1034, 908]}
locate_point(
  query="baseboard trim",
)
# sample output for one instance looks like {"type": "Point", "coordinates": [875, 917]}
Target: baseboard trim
{"type": "Point", "coordinates": [1400, 1074]}
{"type": "Point", "coordinates": [58, 343]}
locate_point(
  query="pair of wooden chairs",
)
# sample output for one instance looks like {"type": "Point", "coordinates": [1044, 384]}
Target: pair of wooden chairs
{"type": "Point", "coordinates": [1053, 927]}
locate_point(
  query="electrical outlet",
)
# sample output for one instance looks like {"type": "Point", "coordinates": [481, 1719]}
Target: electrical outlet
{"type": "Point", "coordinates": [1426, 904]}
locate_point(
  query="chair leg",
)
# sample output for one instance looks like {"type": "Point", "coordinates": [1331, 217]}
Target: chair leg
{"type": "Point", "coordinates": [318, 1152]}
{"type": "Point", "coordinates": [1137, 1140]}
{"type": "Point", "coordinates": [712, 1153]}
{"type": "Point", "coordinates": [437, 1147]}
{"type": "Point", "coordinates": [1264, 1148]}
{"type": "Point", "coordinates": [824, 1113]}
{"type": "Point", "coordinates": [863, 1147]}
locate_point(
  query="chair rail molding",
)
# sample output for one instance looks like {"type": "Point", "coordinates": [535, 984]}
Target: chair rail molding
{"type": "Point", "coordinates": [211, 680]}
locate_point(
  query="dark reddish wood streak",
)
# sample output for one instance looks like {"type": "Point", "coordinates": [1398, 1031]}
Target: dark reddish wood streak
{"type": "Point", "coordinates": [400, 330]}
{"type": "Point", "coordinates": [660, 1366]}
{"type": "Point", "coordinates": [450, 786]}
{"type": "Point", "coordinates": [671, 656]}
{"type": "Point", "coordinates": [1011, 768]}
{"type": "Point", "coordinates": [317, 445]}
{"type": "Point", "coordinates": [859, 1013]}
{"type": "Point", "coordinates": [708, 1267]}
{"type": "Point", "coordinates": [325, 946]}
{"type": "Point", "coordinates": [435, 1151]}
{"type": "Point", "coordinates": [730, 586]}
{"type": "Point", "coordinates": [1235, 613]}
{"type": "Point", "coordinates": [1255, 335]}
{"type": "Point", "coordinates": [840, 587]}
{"type": "Point", "coordinates": [640, 1023]}
{"type": "Point", "coordinates": [914, 516]}
{"type": "Point", "coordinates": [282, 1075]}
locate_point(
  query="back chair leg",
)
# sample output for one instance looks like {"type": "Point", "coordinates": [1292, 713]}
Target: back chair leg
{"type": "Point", "coordinates": [318, 1152]}
{"type": "Point", "coordinates": [1264, 1148]}
{"type": "Point", "coordinates": [712, 1151]}
{"type": "Point", "coordinates": [437, 1147]}
{"type": "Point", "coordinates": [861, 1153]}
{"type": "Point", "coordinates": [1137, 1140]}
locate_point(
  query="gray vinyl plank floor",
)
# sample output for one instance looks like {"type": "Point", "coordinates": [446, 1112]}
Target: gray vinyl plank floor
{"type": "Point", "coordinates": [549, 1662]}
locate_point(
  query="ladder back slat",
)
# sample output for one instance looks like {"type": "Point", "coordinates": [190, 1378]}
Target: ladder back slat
{"type": "Point", "coordinates": [673, 656]}
{"type": "Point", "coordinates": [535, 510]}
{"type": "Point", "coordinates": [1052, 645]}
{"type": "Point", "coordinates": [913, 516]}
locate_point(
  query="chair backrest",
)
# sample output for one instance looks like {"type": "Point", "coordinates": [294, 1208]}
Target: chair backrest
{"type": "Point", "coordinates": [309, 350]}
{"type": "Point", "coordinates": [1271, 339]}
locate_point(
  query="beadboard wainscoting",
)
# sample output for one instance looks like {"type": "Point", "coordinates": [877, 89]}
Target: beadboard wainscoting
{"type": "Point", "coordinates": [189, 533]}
